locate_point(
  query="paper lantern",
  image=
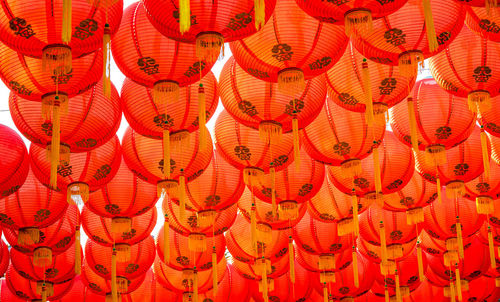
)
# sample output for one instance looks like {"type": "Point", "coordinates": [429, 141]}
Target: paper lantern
{"type": "Point", "coordinates": [14, 161]}
{"type": "Point", "coordinates": [483, 21]}
{"type": "Point", "coordinates": [376, 254]}
{"type": "Point", "coordinates": [362, 79]}
{"type": "Point", "coordinates": [463, 164]}
{"type": "Point", "coordinates": [340, 137]}
{"type": "Point", "coordinates": [482, 288]}
{"type": "Point", "coordinates": [4, 257]}
{"type": "Point", "coordinates": [100, 229]}
{"type": "Point", "coordinates": [30, 291]}
{"type": "Point", "coordinates": [83, 173]}
{"type": "Point", "coordinates": [475, 77]}
{"type": "Point", "coordinates": [294, 47]}
{"type": "Point", "coordinates": [489, 119]}
{"type": "Point", "coordinates": [232, 287]}
{"type": "Point", "coordinates": [316, 263]}
{"type": "Point", "coordinates": [395, 160]}
{"type": "Point", "coordinates": [53, 240]}
{"type": "Point", "coordinates": [7, 295]}
{"type": "Point", "coordinates": [254, 270]}
{"type": "Point", "coordinates": [30, 209]}
{"type": "Point", "coordinates": [442, 120]}
{"type": "Point", "coordinates": [193, 22]}
{"type": "Point", "coordinates": [155, 61]}
{"type": "Point", "coordinates": [437, 247]}
{"type": "Point", "coordinates": [91, 119]}
{"type": "Point", "coordinates": [485, 189]}
{"type": "Point", "coordinates": [123, 198]}
{"type": "Point", "coordinates": [402, 38]}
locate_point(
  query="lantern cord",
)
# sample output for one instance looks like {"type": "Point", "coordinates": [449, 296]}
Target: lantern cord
{"type": "Point", "coordinates": [296, 142]}
{"type": "Point", "coordinates": [215, 277]}
{"type": "Point", "coordinates": [368, 93]}
{"type": "Point", "coordinates": [114, 292]}
{"type": "Point", "coordinates": [202, 117]}
{"type": "Point", "coordinates": [291, 258]}
{"type": "Point", "coordinates": [413, 124]}
{"type": "Point", "coordinates": [78, 255]}
{"type": "Point", "coordinates": [166, 240]}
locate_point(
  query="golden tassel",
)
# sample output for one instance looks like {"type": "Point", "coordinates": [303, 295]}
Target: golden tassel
{"type": "Point", "coordinates": [197, 242]}
{"type": "Point", "coordinates": [270, 132]}
{"type": "Point", "coordinates": [208, 46]}
{"type": "Point", "coordinates": [215, 277]}
{"type": "Point", "coordinates": [260, 13]}
{"type": "Point", "coordinates": [165, 92]}
{"type": "Point", "coordinates": [497, 282]}
{"type": "Point", "coordinates": [376, 170]}
{"type": "Point", "coordinates": [485, 205]}
{"type": "Point", "coordinates": [296, 143]}
{"type": "Point", "coordinates": [184, 15]}
{"type": "Point", "coordinates": [355, 218]}
{"type": "Point", "coordinates": [414, 216]}
{"type": "Point", "coordinates": [264, 280]}
{"type": "Point", "coordinates": [351, 168]}
{"type": "Point", "coordinates": [486, 157]}
{"type": "Point", "coordinates": [460, 240]}
{"type": "Point", "coordinates": [355, 266]}
{"type": "Point", "coordinates": [66, 21]}
{"type": "Point", "coordinates": [56, 142]}
{"type": "Point", "coordinates": [479, 101]}
{"type": "Point", "coordinates": [166, 153]}
{"type": "Point", "coordinates": [78, 255]}
{"type": "Point", "coordinates": [398, 289]}
{"type": "Point", "coordinates": [491, 247]}
{"type": "Point", "coordinates": [438, 185]}
{"type": "Point", "coordinates": [459, 282]}
{"type": "Point", "coordinates": [44, 293]}
{"type": "Point", "coordinates": [429, 25]}
{"type": "Point", "coordinates": [359, 20]}
{"type": "Point", "coordinates": [42, 256]}
{"type": "Point", "coordinates": [452, 291]}
{"type": "Point", "coordinates": [365, 76]}
{"type": "Point", "coordinates": [383, 241]}
{"type": "Point", "coordinates": [114, 289]}
{"type": "Point", "coordinates": [253, 222]}
{"type": "Point", "coordinates": [106, 71]}
{"type": "Point", "coordinates": [202, 117]}
{"type": "Point", "coordinates": [291, 259]}
{"type": "Point", "coordinates": [409, 62]}
{"type": "Point", "coordinates": [166, 240]}
{"type": "Point", "coordinates": [421, 275]}
{"type": "Point", "coordinates": [28, 236]}
{"type": "Point", "coordinates": [182, 196]}
{"type": "Point", "coordinates": [386, 294]}
{"type": "Point", "coordinates": [413, 124]}
{"type": "Point", "coordinates": [291, 81]}
{"type": "Point", "coordinates": [273, 191]}
{"type": "Point", "coordinates": [490, 4]}
{"type": "Point", "coordinates": [325, 292]}
{"type": "Point", "coordinates": [195, 285]}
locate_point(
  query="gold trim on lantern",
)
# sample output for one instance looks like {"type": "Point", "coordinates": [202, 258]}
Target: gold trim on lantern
{"type": "Point", "coordinates": [169, 186]}
{"type": "Point", "coordinates": [120, 225]}
{"type": "Point", "coordinates": [270, 132]}
{"type": "Point", "coordinates": [455, 188]}
{"type": "Point", "coordinates": [57, 59]}
{"type": "Point", "coordinates": [409, 63]}
{"type": "Point", "coordinates": [208, 46]}
{"type": "Point", "coordinates": [291, 81]}
{"type": "Point", "coordinates": [351, 168]}
{"type": "Point", "coordinates": [252, 175]}
{"type": "Point", "coordinates": [414, 215]}
{"type": "Point", "coordinates": [479, 101]}
{"type": "Point", "coordinates": [122, 252]}
{"type": "Point", "coordinates": [42, 256]}
{"type": "Point", "coordinates": [206, 218]}
{"type": "Point", "coordinates": [263, 233]}
{"type": "Point", "coordinates": [197, 242]}
{"type": "Point", "coordinates": [288, 210]}
{"type": "Point", "coordinates": [326, 262]}
{"type": "Point", "coordinates": [358, 20]}
{"type": "Point", "coordinates": [28, 236]}
{"type": "Point", "coordinates": [165, 91]}
{"type": "Point", "coordinates": [78, 189]}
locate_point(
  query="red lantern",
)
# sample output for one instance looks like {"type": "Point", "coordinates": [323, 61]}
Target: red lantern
{"type": "Point", "coordinates": [425, 291]}
{"type": "Point", "coordinates": [91, 119]}
{"type": "Point", "coordinates": [194, 22]}
{"type": "Point", "coordinates": [340, 137]}
{"type": "Point", "coordinates": [375, 253]}
{"type": "Point", "coordinates": [217, 188]}
{"type": "Point", "coordinates": [482, 289]}
{"type": "Point", "coordinates": [53, 240]}
{"type": "Point", "coordinates": [100, 229]}
{"type": "Point", "coordinates": [123, 198]}
{"type": "Point", "coordinates": [442, 120]}
{"type": "Point", "coordinates": [475, 77]}
{"type": "Point", "coordinates": [436, 247]}
{"type": "Point", "coordinates": [324, 264]}
{"type": "Point", "coordinates": [400, 38]}
{"type": "Point", "coordinates": [396, 161]}
{"type": "Point", "coordinates": [4, 257]}
{"type": "Point", "coordinates": [34, 291]}
{"type": "Point", "coordinates": [485, 189]}
{"type": "Point", "coordinates": [155, 61]}
{"type": "Point", "coordinates": [489, 119]}
{"type": "Point", "coordinates": [463, 163]}
{"type": "Point", "coordinates": [483, 21]}
{"type": "Point", "coordinates": [7, 295]}
{"type": "Point", "coordinates": [254, 270]}
{"type": "Point", "coordinates": [233, 287]}
{"type": "Point", "coordinates": [30, 209]}
{"type": "Point", "coordinates": [80, 173]}
{"type": "Point", "coordinates": [352, 80]}
{"type": "Point", "coordinates": [14, 161]}
{"type": "Point", "coordinates": [289, 51]}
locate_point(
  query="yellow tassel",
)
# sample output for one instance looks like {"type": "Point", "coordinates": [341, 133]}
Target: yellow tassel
{"type": "Point", "coordinates": [409, 62]}
{"type": "Point", "coordinates": [260, 13]}
{"type": "Point", "coordinates": [435, 155]}
{"type": "Point", "coordinates": [490, 4]}
{"type": "Point", "coordinates": [414, 216]}
{"type": "Point", "coordinates": [365, 76]}
{"type": "Point", "coordinates": [459, 282]}
{"type": "Point", "coordinates": [421, 275]}
{"type": "Point", "coordinates": [291, 259]}
{"type": "Point", "coordinates": [326, 262]}
{"type": "Point", "coordinates": [56, 59]}
{"type": "Point", "coordinates": [438, 185]}
{"type": "Point", "coordinates": [398, 289]}
{"type": "Point", "coordinates": [56, 143]}
{"type": "Point", "coordinates": [376, 170]}
{"type": "Point", "coordinates": [47, 286]}
{"type": "Point", "coordinates": [165, 92]}
{"type": "Point", "coordinates": [202, 117]}
{"type": "Point", "coordinates": [44, 293]}
{"type": "Point", "coordinates": [452, 291]}
{"type": "Point", "coordinates": [264, 280]}
{"type": "Point", "coordinates": [78, 255]}
{"type": "Point", "coordinates": [386, 294]}
{"type": "Point", "coordinates": [359, 20]}
{"type": "Point", "coordinates": [215, 277]}
{"type": "Point", "coordinates": [169, 187]}
{"type": "Point", "coordinates": [28, 236]}
{"type": "Point", "coordinates": [486, 157]}
{"type": "Point", "coordinates": [479, 101]}
{"type": "Point", "coordinates": [195, 285]}
{"type": "Point", "coordinates": [166, 153]}
{"type": "Point", "coordinates": [497, 282]}
{"type": "Point", "coordinates": [252, 175]}
{"type": "Point", "coordinates": [273, 191]}
{"type": "Point", "coordinates": [114, 289]}
{"type": "Point", "coordinates": [106, 55]}
{"type": "Point", "coordinates": [484, 205]}
{"type": "Point", "coordinates": [253, 222]}
{"type": "Point", "coordinates": [296, 143]}
{"type": "Point", "coordinates": [66, 21]}
{"type": "Point", "coordinates": [182, 196]}
{"type": "Point", "coordinates": [288, 210]}
{"type": "Point", "coordinates": [355, 266]}
{"type": "Point", "coordinates": [429, 25]}
{"type": "Point", "coordinates": [346, 226]}
{"type": "Point", "coordinates": [166, 240]}
{"type": "Point", "coordinates": [413, 124]}
{"type": "Point", "coordinates": [355, 218]}
{"type": "Point", "coordinates": [460, 241]}
{"type": "Point", "coordinates": [122, 252]}
{"type": "Point", "coordinates": [491, 247]}
{"type": "Point", "coordinates": [42, 257]}
{"type": "Point", "coordinates": [325, 293]}
{"type": "Point", "coordinates": [270, 132]}
{"type": "Point", "coordinates": [351, 168]}
{"type": "Point", "coordinates": [208, 46]}
{"type": "Point", "coordinates": [184, 15]}
{"type": "Point", "coordinates": [383, 241]}
{"type": "Point", "coordinates": [291, 81]}
{"type": "Point", "coordinates": [206, 218]}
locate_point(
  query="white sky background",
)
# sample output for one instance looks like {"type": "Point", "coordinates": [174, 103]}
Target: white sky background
{"type": "Point", "coordinates": [117, 78]}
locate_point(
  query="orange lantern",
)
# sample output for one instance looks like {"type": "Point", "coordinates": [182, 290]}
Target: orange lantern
{"type": "Point", "coordinates": [15, 161]}
{"type": "Point", "coordinates": [290, 51]}
{"type": "Point", "coordinates": [484, 21]}
{"type": "Point", "coordinates": [489, 119]}
{"type": "Point", "coordinates": [485, 189]}
{"type": "Point", "coordinates": [475, 77]}
{"type": "Point", "coordinates": [324, 264]}
{"type": "Point", "coordinates": [416, 31]}
{"type": "Point", "coordinates": [4, 258]}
